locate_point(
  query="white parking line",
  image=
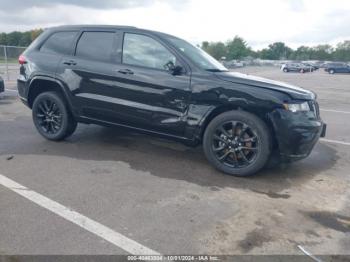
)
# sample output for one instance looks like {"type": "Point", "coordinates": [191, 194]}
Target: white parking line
{"type": "Point", "coordinates": [84, 222]}
{"type": "Point", "coordinates": [335, 142]}
{"type": "Point", "coordinates": [335, 111]}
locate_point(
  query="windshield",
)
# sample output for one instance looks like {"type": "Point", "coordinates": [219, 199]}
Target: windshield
{"type": "Point", "coordinates": [197, 55]}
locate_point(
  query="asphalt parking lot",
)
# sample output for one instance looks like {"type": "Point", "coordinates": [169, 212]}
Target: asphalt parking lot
{"type": "Point", "coordinates": [165, 196]}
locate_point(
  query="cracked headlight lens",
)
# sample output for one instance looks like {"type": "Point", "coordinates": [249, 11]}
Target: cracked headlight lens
{"type": "Point", "coordinates": [297, 107]}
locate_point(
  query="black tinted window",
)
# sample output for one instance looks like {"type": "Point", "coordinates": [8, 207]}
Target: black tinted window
{"type": "Point", "coordinates": [59, 43]}
{"type": "Point", "coordinates": [96, 46]}
{"type": "Point", "coordinates": [142, 50]}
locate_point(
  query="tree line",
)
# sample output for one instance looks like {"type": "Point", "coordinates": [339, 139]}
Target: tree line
{"type": "Point", "coordinates": [237, 48]}
{"type": "Point", "coordinates": [19, 38]}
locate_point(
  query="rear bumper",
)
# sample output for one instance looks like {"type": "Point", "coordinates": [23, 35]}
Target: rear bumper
{"type": "Point", "coordinates": [296, 133]}
{"type": "Point", "coordinates": [22, 91]}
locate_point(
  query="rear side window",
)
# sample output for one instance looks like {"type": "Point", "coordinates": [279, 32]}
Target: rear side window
{"type": "Point", "coordinates": [96, 46]}
{"type": "Point", "coordinates": [59, 43]}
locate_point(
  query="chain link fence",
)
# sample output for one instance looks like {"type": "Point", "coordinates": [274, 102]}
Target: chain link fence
{"type": "Point", "coordinates": [9, 61]}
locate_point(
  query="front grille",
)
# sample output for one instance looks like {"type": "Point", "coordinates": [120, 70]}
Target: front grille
{"type": "Point", "coordinates": [315, 108]}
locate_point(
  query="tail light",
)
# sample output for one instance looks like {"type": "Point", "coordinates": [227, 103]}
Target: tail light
{"type": "Point", "coordinates": [22, 60]}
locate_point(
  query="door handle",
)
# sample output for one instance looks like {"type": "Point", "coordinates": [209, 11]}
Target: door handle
{"type": "Point", "coordinates": [69, 62]}
{"type": "Point", "coordinates": [126, 72]}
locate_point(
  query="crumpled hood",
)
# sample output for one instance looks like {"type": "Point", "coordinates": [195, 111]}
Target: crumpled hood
{"type": "Point", "coordinates": [294, 91]}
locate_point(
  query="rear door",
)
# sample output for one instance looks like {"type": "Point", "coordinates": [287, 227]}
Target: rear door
{"type": "Point", "coordinates": [48, 54]}
{"type": "Point", "coordinates": [89, 73]}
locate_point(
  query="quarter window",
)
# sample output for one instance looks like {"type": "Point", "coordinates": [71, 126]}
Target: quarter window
{"type": "Point", "coordinates": [96, 46]}
{"type": "Point", "coordinates": [59, 43]}
{"type": "Point", "coordinates": [144, 51]}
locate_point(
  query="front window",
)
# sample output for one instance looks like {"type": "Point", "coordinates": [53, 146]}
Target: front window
{"type": "Point", "coordinates": [197, 55]}
{"type": "Point", "coordinates": [141, 50]}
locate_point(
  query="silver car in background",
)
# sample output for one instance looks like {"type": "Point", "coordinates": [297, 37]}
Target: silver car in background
{"type": "Point", "coordinates": [296, 67]}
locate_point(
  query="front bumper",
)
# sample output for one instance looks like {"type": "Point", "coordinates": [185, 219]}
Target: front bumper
{"type": "Point", "coordinates": [296, 133]}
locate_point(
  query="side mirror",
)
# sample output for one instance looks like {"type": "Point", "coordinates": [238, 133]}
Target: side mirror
{"type": "Point", "coordinates": [174, 69]}
{"type": "Point", "coordinates": [177, 70]}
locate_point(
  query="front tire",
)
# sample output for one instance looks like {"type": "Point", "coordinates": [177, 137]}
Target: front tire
{"type": "Point", "coordinates": [237, 143]}
{"type": "Point", "coordinates": [51, 116]}
{"type": "Point", "coordinates": [331, 71]}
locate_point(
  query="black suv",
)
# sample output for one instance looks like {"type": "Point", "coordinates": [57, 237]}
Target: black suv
{"type": "Point", "coordinates": [160, 84]}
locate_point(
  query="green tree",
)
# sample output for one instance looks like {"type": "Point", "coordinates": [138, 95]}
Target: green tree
{"type": "Point", "coordinates": [205, 45]}
{"type": "Point", "coordinates": [216, 49]}
{"type": "Point", "coordinates": [237, 48]}
{"type": "Point", "coordinates": [35, 33]}
{"type": "Point", "coordinates": [13, 38]}
{"type": "Point", "coordinates": [25, 39]}
{"type": "Point", "coordinates": [342, 52]}
{"type": "Point", "coordinates": [322, 52]}
{"type": "Point", "coordinates": [19, 38]}
{"type": "Point", "coordinates": [3, 39]}
{"type": "Point", "coordinates": [276, 51]}
{"type": "Point", "coordinates": [302, 53]}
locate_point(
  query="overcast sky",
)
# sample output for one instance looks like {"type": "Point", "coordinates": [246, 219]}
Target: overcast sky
{"type": "Point", "coordinates": [295, 22]}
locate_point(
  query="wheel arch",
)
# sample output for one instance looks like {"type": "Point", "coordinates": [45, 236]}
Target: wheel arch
{"type": "Point", "coordinates": [262, 115]}
{"type": "Point", "coordinates": [42, 84]}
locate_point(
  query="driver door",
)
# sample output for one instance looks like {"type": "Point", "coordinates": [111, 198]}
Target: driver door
{"type": "Point", "coordinates": [148, 95]}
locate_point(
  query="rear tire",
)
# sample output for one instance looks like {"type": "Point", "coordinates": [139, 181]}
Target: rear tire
{"type": "Point", "coordinates": [234, 151]}
{"type": "Point", "coordinates": [285, 70]}
{"type": "Point", "coordinates": [51, 116]}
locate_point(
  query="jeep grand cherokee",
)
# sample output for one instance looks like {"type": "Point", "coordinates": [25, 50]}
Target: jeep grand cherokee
{"type": "Point", "coordinates": [156, 83]}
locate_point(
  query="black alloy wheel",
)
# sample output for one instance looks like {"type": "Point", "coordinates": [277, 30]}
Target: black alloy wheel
{"type": "Point", "coordinates": [237, 143]}
{"type": "Point", "coordinates": [52, 117]}
{"type": "Point", "coordinates": [49, 116]}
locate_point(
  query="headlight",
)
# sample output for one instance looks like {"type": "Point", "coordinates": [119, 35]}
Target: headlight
{"type": "Point", "coordinates": [300, 107]}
